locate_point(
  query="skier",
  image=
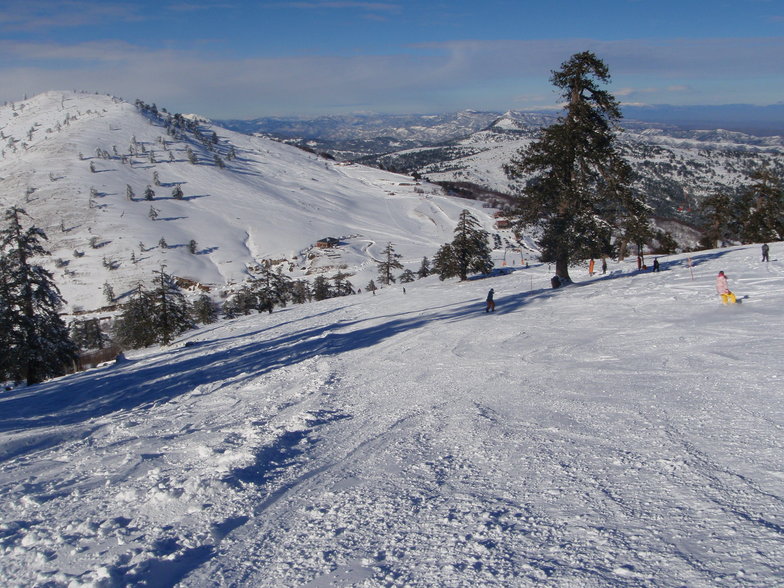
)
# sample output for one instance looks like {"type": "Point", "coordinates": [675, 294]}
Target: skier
{"type": "Point", "coordinates": [765, 250]}
{"type": "Point", "coordinates": [490, 303]}
{"type": "Point", "coordinates": [656, 264]}
{"type": "Point", "coordinates": [723, 288]}
{"type": "Point", "coordinates": [604, 266]}
{"type": "Point", "coordinates": [590, 267]}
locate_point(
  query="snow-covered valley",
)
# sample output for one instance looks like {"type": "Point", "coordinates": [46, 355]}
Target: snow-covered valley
{"type": "Point", "coordinates": [623, 431]}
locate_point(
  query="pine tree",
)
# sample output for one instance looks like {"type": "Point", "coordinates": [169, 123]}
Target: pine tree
{"type": "Point", "coordinates": [321, 289]}
{"type": "Point", "coordinates": [579, 190]}
{"type": "Point", "coordinates": [149, 193]}
{"type": "Point", "coordinates": [134, 328]}
{"type": "Point", "coordinates": [719, 214]}
{"type": "Point", "coordinates": [342, 287]}
{"type": "Point", "coordinates": [407, 276]}
{"type": "Point", "coordinates": [468, 252]}
{"type": "Point", "coordinates": [389, 262]}
{"type": "Point", "coordinates": [270, 288]}
{"type": "Point", "coordinates": [108, 292]}
{"type": "Point", "coordinates": [762, 208]}
{"type": "Point", "coordinates": [177, 193]}
{"type": "Point", "coordinates": [87, 334]}
{"type": "Point", "coordinates": [35, 340]}
{"type": "Point", "coordinates": [154, 316]}
{"type": "Point", "coordinates": [204, 310]}
{"type": "Point", "coordinates": [300, 292]}
{"type": "Point", "coordinates": [424, 268]}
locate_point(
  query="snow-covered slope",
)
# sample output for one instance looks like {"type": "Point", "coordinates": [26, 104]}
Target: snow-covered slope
{"type": "Point", "coordinates": [68, 160]}
{"type": "Point", "coordinates": [624, 431]}
{"type": "Point", "coordinates": [676, 168]}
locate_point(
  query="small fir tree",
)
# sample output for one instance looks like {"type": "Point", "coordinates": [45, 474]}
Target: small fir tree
{"type": "Point", "coordinates": [204, 310]}
{"type": "Point", "coordinates": [321, 288]}
{"type": "Point", "coordinates": [407, 276]}
{"type": "Point", "coordinates": [424, 268]}
{"type": "Point", "coordinates": [468, 252]}
{"type": "Point", "coordinates": [389, 262]}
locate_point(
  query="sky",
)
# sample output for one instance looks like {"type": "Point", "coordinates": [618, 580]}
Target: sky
{"type": "Point", "coordinates": [244, 59]}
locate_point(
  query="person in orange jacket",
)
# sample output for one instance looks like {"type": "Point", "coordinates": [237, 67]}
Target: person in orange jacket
{"type": "Point", "coordinates": [590, 267]}
{"type": "Point", "coordinates": [723, 288]}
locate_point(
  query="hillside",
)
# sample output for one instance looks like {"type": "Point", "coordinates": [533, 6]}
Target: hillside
{"type": "Point", "coordinates": [676, 168]}
{"type": "Point", "coordinates": [624, 431]}
{"type": "Point", "coordinates": [68, 159]}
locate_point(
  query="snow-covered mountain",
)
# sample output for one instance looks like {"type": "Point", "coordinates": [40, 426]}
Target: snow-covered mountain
{"type": "Point", "coordinates": [70, 160]}
{"type": "Point", "coordinates": [625, 431]}
{"type": "Point", "coordinates": [676, 168]}
{"type": "Point", "coordinates": [352, 137]}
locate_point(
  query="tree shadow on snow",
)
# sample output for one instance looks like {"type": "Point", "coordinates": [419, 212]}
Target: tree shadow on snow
{"type": "Point", "coordinates": [171, 372]}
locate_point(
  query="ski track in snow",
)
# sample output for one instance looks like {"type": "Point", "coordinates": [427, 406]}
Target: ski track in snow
{"type": "Point", "coordinates": [623, 431]}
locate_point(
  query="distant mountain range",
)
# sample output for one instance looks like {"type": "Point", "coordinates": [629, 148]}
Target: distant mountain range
{"type": "Point", "coordinates": [676, 166]}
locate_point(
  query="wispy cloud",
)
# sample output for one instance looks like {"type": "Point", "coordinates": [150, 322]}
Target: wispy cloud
{"type": "Point", "coordinates": [423, 78]}
{"type": "Point", "coordinates": [370, 6]}
{"type": "Point", "coordinates": [37, 15]}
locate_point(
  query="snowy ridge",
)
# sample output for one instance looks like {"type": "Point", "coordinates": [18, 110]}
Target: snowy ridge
{"type": "Point", "coordinates": [623, 431]}
{"type": "Point", "coordinates": [68, 159]}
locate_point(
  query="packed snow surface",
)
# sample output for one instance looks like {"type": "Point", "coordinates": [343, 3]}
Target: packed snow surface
{"type": "Point", "coordinates": [625, 430]}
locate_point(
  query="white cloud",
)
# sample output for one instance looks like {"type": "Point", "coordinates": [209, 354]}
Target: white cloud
{"type": "Point", "coordinates": [429, 77]}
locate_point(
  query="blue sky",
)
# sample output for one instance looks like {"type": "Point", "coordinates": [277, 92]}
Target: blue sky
{"type": "Point", "coordinates": [241, 59]}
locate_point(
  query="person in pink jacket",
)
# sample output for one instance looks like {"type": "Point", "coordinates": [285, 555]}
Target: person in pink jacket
{"type": "Point", "coordinates": [723, 288]}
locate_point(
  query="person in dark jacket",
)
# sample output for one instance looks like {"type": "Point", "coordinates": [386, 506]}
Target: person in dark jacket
{"type": "Point", "coordinates": [656, 264]}
{"type": "Point", "coordinates": [490, 302]}
{"type": "Point", "coordinates": [765, 252]}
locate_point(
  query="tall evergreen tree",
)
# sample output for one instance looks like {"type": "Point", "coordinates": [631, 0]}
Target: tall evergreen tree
{"type": "Point", "coordinates": [579, 191]}
{"type": "Point", "coordinates": [389, 262]}
{"type": "Point", "coordinates": [35, 341]}
{"type": "Point", "coordinates": [468, 252]}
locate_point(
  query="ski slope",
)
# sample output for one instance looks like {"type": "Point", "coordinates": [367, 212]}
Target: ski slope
{"type": "Point", "coordinates": [623, 431]}
{"type": "Point", "coordinates": [269, 205]}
